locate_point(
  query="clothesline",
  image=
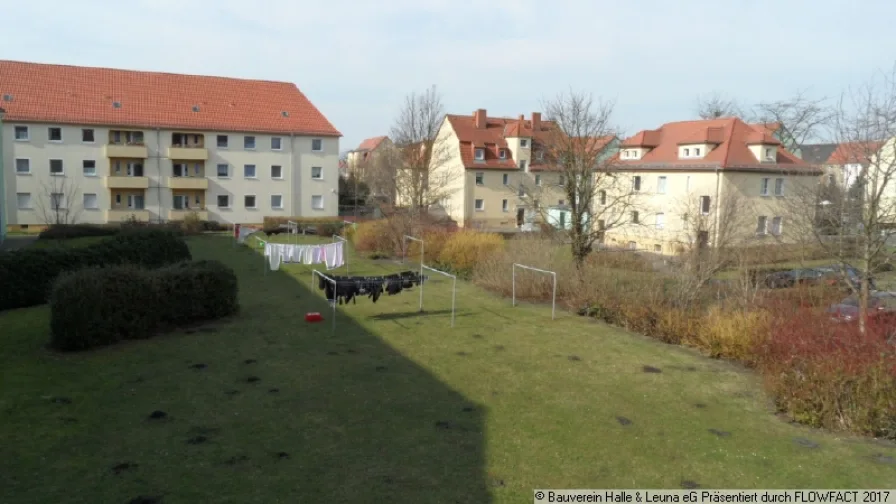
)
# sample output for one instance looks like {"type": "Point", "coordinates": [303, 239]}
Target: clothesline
{"type": "Point", "coordinates": [330, 254]}
{"type": "Point", "coordinates": [345, 289]}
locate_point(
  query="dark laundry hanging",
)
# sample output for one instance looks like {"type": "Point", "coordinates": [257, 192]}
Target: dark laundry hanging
{"type": "Point", "coordinates": [347, 289]}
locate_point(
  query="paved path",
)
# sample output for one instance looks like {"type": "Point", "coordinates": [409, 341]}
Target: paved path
{"type": "Point", "coordinates": [14, 242]}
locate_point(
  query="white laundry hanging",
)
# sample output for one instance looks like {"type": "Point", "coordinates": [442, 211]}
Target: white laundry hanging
{"type": "Point", "coordinates": [334, 257]}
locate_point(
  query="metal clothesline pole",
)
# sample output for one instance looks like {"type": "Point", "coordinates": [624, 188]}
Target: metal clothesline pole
{"type": "Point", "coordinates": [554, 278]}
{"type": "Point", "coordinates": [422, 255]}
{"type": "Point", "coordinates": [453, 290]}
{"type": "Point", "coordinates": [333, 301]}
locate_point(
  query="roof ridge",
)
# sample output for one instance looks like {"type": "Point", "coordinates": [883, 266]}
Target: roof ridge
{"type": "Point", "coordinates": [733, 123]}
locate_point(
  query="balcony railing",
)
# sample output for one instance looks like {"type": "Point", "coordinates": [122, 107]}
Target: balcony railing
{"type": "Point", "coordinates": [126, 182]}
{"type": "Point", "coordinates": [194, 183]}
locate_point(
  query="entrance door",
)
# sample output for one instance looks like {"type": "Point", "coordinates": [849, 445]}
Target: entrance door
{"type": "Point", "coordinates": [520, 216]}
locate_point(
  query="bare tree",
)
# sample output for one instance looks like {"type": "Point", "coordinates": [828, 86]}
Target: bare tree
{"type": "Point", "coordinates": [803, 118]}
{"type": "Point", "coordinates": [58, 201]}
{"type": "Point", "coordinates": [418, 165]}
{"type": "Point", "coordinates": [578, 145]}
{"type": "Point", "coordinates": [716, 105]}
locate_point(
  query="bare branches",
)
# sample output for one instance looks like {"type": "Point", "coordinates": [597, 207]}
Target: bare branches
{"type": "Point", "coordinates": [58, 202]}
{"type": "Point", "coordinates": [803, 118]}
{"type": "Point", "coordinates": [716, 105]}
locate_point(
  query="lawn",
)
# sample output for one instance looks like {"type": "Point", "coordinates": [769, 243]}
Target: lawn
{"type": "Point", "coordinates": [394, 407]}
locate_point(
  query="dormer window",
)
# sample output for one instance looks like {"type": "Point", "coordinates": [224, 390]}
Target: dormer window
{"type": "Point", "coordinates": [524, 143]}
{"type": "Point", "coordinates": [687, 152]}
{"type": "Point", "coordinates": [502, 154]}
{"type": "Point", "coordinates": [768, 155]}
{"type": "Point", "coordinates": [697, 151]}
{"type": "Point", "coordinates": [480, 154]}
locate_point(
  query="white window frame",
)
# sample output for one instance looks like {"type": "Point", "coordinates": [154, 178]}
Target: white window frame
{"type": "Point", "coordinates": [254, 201]}
{"type": "Point", "coordinates": [708, 210]}
{"type": "Point", "coordinates": [636, 183]}
{"type": "Point", "coordinates": [687, 152]}
{"type": "Point", "coordinates": [96, 201]}
{"type": "Point", "coordinates": [523, 164]}
{"type": "Point", "coordinates": [763, 186]}
{"type": "Point", "coordinates": [19, 203]}
{"type": "Point", "coordinates": [479, 178]}
{"type": "Point", "coordinates": [320, 146]}
{"type": "Point", "coordinates": [505, 205]}
{"type": "Point", "coordinates": [226, 141]}
{"type": "Point", "coordinates": [277, 207]}
{"type": "Point", "coordinates": [279, 139]}
{"type": "Point", "coordinates": [226, 170]}
{"type": "Point", "coordinates": [697, 151]}
{"type": "Point", "coordinates": [84, 168]}
{"type": "Point", "coordinates": [17, 166]}
{"type": "Point", "coordinates": [320, 198]}
{"type": "Point", "coordinates": [61, 137]}
{"type": "Point", "coordinates": [660, 220]}
{"type": "Point", "coordinates": [320, 173]}
{"type": "Point", "coordinates": [524, 143]}
{"type": "Point", "coordinates": [281, 172]}
{"type": "Point", "coordinates": [218, 200]}
{"type": "Point", "coordinates": [502, 153]}
{"type": "Point", "coordinates": [479, 154]}
{"type": "Point", "coordinates": [762, 225]}
{"type": "Point", "coordinates": [84, 130]}
{"type": "Point", "coordinates": [632, 245]}
{"type": "Point", "coordinates": [661, 184]}
{"type": "Point", "coordinates": [27, 133]}
{"type": "Point", "coordinates": [776, 230]}
{"type": "Point", "coordinates": [505, 179]}
{"type": "Point", "coordinates": [61, 173]}
{"type": "Point", "coordinates": [246, 142]}
{"type": "Point", "coordinates": [779, 186]}
{"type": "Point", "coordinates": [57, 203]}
{"type": "Point", "coordinates": [254, 171]}
{"type": "Point", "coordinates": [479, 205]}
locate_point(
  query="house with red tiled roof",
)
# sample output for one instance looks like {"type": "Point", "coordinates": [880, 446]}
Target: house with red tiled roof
{"type": "Point", "coordinates": [366, 153]}
{"type": "Point", "coordinates": [500, 178]}
{"type": "Point", "coordinates": [102, 145]}
{"type": "Point", "coordinates": [708, 182]}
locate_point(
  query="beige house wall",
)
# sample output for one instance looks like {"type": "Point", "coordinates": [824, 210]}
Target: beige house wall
{"type": "Point", "coordinates": [295, 156]}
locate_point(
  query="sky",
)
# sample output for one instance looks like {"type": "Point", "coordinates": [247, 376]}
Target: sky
{"type": "Point", "coordinates": [357, 60]}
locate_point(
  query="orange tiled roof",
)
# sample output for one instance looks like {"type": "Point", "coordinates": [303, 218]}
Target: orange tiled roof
{"type": "Point", "coordinates": [732, 137]}
{"type": "Point", "coordinates": [371, 143]}
{"type": "Point", "coordinates": [854, 153]}
{"type": "Point", "coordinates": [86, 95]}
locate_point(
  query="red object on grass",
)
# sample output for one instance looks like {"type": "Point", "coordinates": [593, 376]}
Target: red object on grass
{"type": "Point", "coordinates": [313, 317]}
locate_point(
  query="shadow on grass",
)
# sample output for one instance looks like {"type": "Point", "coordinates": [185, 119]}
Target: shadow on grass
{"type": "Point", "coordinates": [415, 314]}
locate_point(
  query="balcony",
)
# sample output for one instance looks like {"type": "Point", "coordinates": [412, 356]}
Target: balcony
{"type": "Point", "coordinates": [188, 153]}
{"type": "Point", "coordinates": [190, 183]}
{"type": "Point", "coordinates": [123, 150]}
{"type": "Point", "coordinates": [113, 216]}
{"type": "Point", "coordinates": [126, 182]}
{"type": "Point", "coordinates": [179, 215]}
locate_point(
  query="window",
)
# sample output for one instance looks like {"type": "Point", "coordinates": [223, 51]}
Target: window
{"type": "Point", "coordinates": [538, 180]}
{"type": "Point", "coordinates": [523, 164]}
{"type": "Point", "coordinates": [660, 220]}
{"type": "Point", "coordinates": [504, 205]}
{"type": "Point", "coordinates": [658, 248]}
{"type": "Point", "coordinates": [56, 167]}
{"type": "Point", "coordinates": [249, 171]}
{"type": "Point", "coordinates": [661, 185]}
{"type": "Point", "coordinates": [635, 217]}
{"type": "Point", "coordinates": [117, 199]}
{"type": "Point", "coordinates": [561, 202]}
{"type": "Point", "coordinates": [687, 152]}
{"type": "Point", "coordinates": [779, 187]}
{"type": "Point", "coordinates": [181, 202]}
{"type": "Point", "coordinates": [223, 201]}
{"type": "Point", "coordinates": [54, 134]}
{"type": "Point", "coordinates": [479, 178]}
{"type": "Point", "coordinates": [763, 187]}
{"type": "Point", "coordinates": [505, 179]}
{"type": "Point", "coordinates": [602, 197]}
{"type": "Point", "coordinates": [697, 151]}
{"type": "Point", "coordinates": [135, 201]}
{"type": "Point", "coordinates": [23, 166]}
{"type": "Point", "coordinates": [704, 205]}
{"type": "Point", "coordinates": [317, 173]}
{"type": "Point", "coordinates": [521, 192]}
{"type": "Point", "coordinates": [768, 154]}
{"type": "Point", "coordinates": [57, 201]}
{"type": "Point", "coordinates": [761, 224]}
{"type": "Point", "coordinates": [317, 145]}
{"type": "Point", "coordinates": [561, 180]}
{"type": "Point", "coordinates": [87, 135]}
{"type": "Point", "coordinates": [636, 183]}
{"type": "Point", "coordinates": [23, 200]}
{"type": "Point", "coordinates": [277, 201]}
{"type": "Point", "coordinates": [632, 245]}
{"type": "Point", "coordinates": [249, 201]}
{"type": "Point", "coordinates": [776, 226]}
{"type": "Point", "coordinates": [480, 154]}
{"type": "Point", "coordinates": [502, 154]}
{"type": "Point", "coordinates": [21, 133]}
{"type": "Point", "coordinates": [89, 168]}
{"type": "Point", "coordinates": [249, 142]}
{"type": "Point", "coordinates": [197, 169]}
{"type": "Point", "coordinates": [181, 170]}
{"type": "Point", "coordinates": [276, 143]}
{"type": "Point", "coordinates": [90, 202]}
{"type": "Point", "coordinates": [479, 205]}
{"type": "Point", "coordinates": [524, 142]}
{"type": "Point", "coordinates": [222, 141]}
{"type": "Point", "coordinates": [277, 172]}
{"type": "Point", "coordinates": [223, 170]}
{"type": "Point", "coordinates": [317, 202]}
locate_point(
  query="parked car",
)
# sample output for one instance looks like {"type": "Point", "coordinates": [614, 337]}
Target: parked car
{"type": "Point", "coordinates": [832, 275]}
{"type": "Point", "coordinates": [790, 278]}
{"type": "Point", "coordinates": [881, 308]}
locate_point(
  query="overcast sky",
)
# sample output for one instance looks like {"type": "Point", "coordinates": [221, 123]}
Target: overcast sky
{"type": "Point", "coordinates": [356, 60]}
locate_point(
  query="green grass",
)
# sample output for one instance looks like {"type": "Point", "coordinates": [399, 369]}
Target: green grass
{"type": "Point", "coordinates": [355, 434]}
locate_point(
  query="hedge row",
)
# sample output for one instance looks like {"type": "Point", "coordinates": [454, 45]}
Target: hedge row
{"type": "Point", "coordinates": [28, 274]}
{"type": "Point", "coordinates": [99, 306]}
{"type": "Point", "coordinates": [324, 226]}
{"type": "Point", "coordinates": [68, 231]}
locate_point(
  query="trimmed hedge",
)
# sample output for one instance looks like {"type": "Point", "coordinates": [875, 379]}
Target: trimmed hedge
{"type": "Point", "coordinates": [68, 231]}
{"type": "Point", "coordinates": [100, 306]}
{"type": "Point", "coordinates": [326, 226]}
{"type": "Point", "coordinates": [27, 275]}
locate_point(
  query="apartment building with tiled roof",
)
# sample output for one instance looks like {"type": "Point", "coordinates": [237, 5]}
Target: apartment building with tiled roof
{"type": "Point", "coordinates": [701, 172]}
{"type": "Point", "coordinates": [501, 179]}
{"type": "Point", "coordinates": [108, 145]}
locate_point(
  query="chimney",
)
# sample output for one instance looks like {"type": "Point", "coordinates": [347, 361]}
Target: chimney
{"type": "Point", "coordinates": [479, 118]}
{"type": "Point", "coordinates": [536, 121]}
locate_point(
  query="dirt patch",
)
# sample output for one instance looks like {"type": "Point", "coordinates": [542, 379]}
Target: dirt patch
{"type": "Point", "coordinates": [719, 433]}
{"type": "Point", "coordinates": [805, 443]}
{"type": "Point", "coordinates": [124, 466]}
{"type": "Point", "coordinates": [146, 499]}
{"type": "Point", "coordinates": [158, 415]}
{"type": "Point", "coordinates": [574, 358]}
{"type": "Point", "coordinates": [497, 482]}
{"type": "Point", "coordinates": [651, 369]}
{"type": "Point", "coordinates": [198, 366]}
{"type": "Point", "coordinates": [625, 422]}
{"type": "Point", "coordinates": [252, 379]}
{"type": "Point", "coordinates": [689, 484]}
